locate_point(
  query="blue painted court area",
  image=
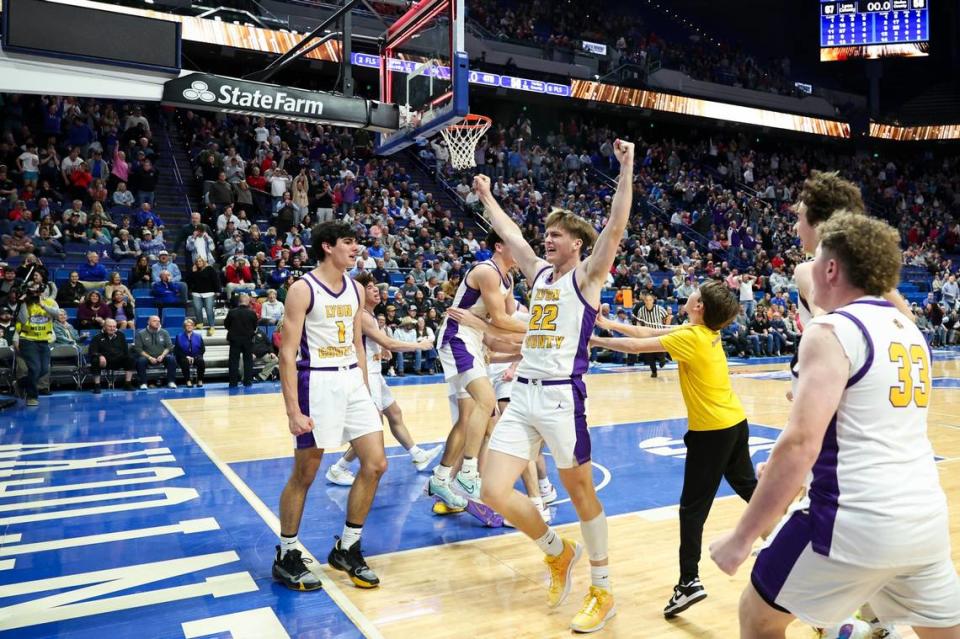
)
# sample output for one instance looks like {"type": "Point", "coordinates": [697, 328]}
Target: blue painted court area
{"type": "Point", "coordinates": [116, 524]}
{"type": "Point", "coordinates": [637, 466]}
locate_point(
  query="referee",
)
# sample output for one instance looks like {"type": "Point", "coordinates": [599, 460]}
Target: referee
{"type": "Point", "coordinates": [651, 315]}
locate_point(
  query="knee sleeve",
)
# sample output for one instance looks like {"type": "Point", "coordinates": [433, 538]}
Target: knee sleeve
{"type": "Point", "coordinates": [595, 536]}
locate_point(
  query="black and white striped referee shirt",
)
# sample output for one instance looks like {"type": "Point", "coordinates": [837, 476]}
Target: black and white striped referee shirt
{"type": "Point", "coordinates": [655, 317]}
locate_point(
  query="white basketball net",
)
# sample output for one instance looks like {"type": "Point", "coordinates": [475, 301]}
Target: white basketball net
{"type": "Point", "coordinates": [462, 140]}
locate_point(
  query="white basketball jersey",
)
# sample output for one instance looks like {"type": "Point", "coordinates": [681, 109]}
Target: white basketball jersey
{"type": "Point", "coordinates": [327, 340]}
{"type": "Point", "coordinates": [468, 298]}
{"type": "Point", "coordinates": [558, 335]}
{"type": "Point", "coordinates": [875, 498]}
{"type": "Point", "coordinates": [373, 353]}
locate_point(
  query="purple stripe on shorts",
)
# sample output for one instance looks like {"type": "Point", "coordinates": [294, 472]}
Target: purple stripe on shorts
{"type": "Point", "coordinates": [869, 362]}
{"type": "Point", "coordinates": [461, 355]}
{"type": "Point", "coordinates": [825, 492]}
{"type": "Point", "coordinates": [776, 561]}
{"type": "Point", "coordinates": [470, 297]}
{"type": "Point", "coordinates": [303, 400]}
{"type": "Point", "coordinates": [582, 360]}
{"type": "Point", "coordinates": [582, 449]}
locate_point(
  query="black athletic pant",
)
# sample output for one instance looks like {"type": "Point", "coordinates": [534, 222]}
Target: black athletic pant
{"type": "Point", "coordinates": [233, 362]}
{"type": "Point", "coordinates": [712, 455]}
{"type": "Point", "coordinates": [198, 364]}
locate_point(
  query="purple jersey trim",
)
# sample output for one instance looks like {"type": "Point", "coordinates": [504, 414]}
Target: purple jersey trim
{"type": "Point", "coordinates": [856, 377]}
{"type": "Point", "coordinates": [324, 286]}
{"type": "Point", "coordinates": [825, 492]}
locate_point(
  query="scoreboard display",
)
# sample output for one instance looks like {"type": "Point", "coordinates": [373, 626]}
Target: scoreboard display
{"type": "Point", "coordinates": [873, 28]}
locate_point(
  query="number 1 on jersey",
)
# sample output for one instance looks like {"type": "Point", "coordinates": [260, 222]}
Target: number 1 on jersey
{"type": "Point", "coordinates": [341, 332]}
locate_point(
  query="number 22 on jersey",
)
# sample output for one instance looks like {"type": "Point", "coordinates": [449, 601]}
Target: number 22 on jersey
{"type": "Point", "coordinates": [906, 357]}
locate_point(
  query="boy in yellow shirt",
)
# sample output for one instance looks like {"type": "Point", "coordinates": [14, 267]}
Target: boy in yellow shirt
{"type": "Point", "coordinates": [717, 439]}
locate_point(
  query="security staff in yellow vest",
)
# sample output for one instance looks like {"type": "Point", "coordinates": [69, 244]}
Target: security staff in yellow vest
{"type": "Point", "coordinates": [35, 317]}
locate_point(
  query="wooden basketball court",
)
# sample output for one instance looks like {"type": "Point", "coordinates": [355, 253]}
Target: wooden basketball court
{"type": "Point", "coordinates": [493, 585]}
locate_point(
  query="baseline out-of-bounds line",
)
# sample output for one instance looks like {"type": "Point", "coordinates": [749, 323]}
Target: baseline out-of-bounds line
{"type": "Point", "coordinates": [361, 621]}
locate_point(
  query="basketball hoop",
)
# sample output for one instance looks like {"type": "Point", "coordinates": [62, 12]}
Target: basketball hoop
{"type": "Point", "coordinates": [462, 139]}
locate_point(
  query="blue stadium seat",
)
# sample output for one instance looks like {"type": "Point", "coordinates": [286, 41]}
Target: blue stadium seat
{"type": "Point", "coordinates": [71, 313]}
{"type": "Point", "coordinates": [173, 317]}
{"type": "Point", "coordinates": [396, 279]}
{"type": "Point", "coordinates": [142, 294]}
{"type": "Point", "coordinates": [129, 334]}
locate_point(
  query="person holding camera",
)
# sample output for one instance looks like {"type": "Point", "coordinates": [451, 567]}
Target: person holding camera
{"type": "Point", "coordinates": [34, 321]}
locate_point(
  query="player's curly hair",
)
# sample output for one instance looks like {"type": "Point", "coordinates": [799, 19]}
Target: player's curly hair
{"type": "Point", "coordinates": [573, 224]}
{"type": "Point", "coordinates": [825, 192]}
{"type": "Point", "coordinates": [868, 249]}
{"type": "Point", "coordinates": [720, 305]}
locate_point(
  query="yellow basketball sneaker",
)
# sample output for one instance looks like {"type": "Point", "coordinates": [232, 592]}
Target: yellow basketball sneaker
{"type": "Point", "coordinates": [597, 609]}
{"type": "Point", "coordinates": [440, 508]}
{"type": "Point", "coordinates": [561, 568]}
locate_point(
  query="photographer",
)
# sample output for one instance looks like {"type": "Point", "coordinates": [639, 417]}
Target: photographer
{"type": "Point", "coordinates": [34, 321]}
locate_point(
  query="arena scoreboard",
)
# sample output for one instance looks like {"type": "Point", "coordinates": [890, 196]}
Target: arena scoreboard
{"type": "Point", "coordinates": [874, 28]}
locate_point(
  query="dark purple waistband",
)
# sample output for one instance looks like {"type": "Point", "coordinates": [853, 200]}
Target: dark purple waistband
{"type": "Point", "coordinates": [326, 368]}
{"type": "Point", "coordinates": [549, 382]}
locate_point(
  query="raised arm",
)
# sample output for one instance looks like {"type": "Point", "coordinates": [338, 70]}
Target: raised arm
{"type": "Point", "coordinates": [594, 269]}
{"type": "Point", "coordinates": [295, 311]}
{"type": "Point", "coordinates": [508, 230]}
{"type": "Point", "coordinates": [467, 318]}
{"type": "Point", "coordinates": [372, 330]}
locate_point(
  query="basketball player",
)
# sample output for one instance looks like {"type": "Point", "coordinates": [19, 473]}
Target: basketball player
{"type": "Point", "coordinates": [373, 340]}
{"type": "Point", "coordinates": [549, 399]}
{"type": "Point", "coordinates": [821, 195]}
{"type": "Point", "coordinates": [323, 378]}
{"type": "Point", "coordinates": [718, 435]}
{"type": "Point", "coordinates": [876, 526]}
{"type": "Point", "coordinates": [483, 292]}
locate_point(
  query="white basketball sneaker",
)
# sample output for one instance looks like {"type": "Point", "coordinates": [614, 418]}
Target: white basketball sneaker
{"type": "Point", "coordinates": [550, 495]}
{"type": "Point", "coordinates": [422, 461]}
{"type": "Point", "coordinates": [340, 477]}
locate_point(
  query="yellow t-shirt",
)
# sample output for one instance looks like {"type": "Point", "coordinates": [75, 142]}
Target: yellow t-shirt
{"type": "Point", "coordinates": [704, 378]}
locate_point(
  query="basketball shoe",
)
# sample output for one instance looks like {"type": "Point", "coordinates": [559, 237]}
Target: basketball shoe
{"type": "Point", "coordinates": [597, 609]}
{"type": "Point", "coordinates": [549, 496]}
{"type": "Point", "coordinates": [350, 560]}
{"type": "Point", "coordinates": [561, 569]}
{"type": "Point", "coordinates": [468, 485]}
{"type": "Point", "coordinates": [422, 461]}
{"type": "Point", "coordinates": [684, 596]}
{"type": "Point", "coordinates": [291, 570]}
{"type": "Point", "coordinates": [340, 477]}
{"type": "Point", "coordinates": [441, 489]}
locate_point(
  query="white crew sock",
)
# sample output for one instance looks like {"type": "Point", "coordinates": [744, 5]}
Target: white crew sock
{"type": "Point", "coordinates": [415, 451]}
{"type": "Point", "coordinates": [469, 466]}
{"type": "Point", "coordinates": [287, 544]}
{"type": "Point", "coordinates": [343, 464]}
{"type": "Point", "coordinates": [545, 485]}
{"type": "Point", "coordinates": [442, 472]}
{"type": "Point", "coordinates": [350, 536]}
{"type": "Point", "coordinates": [550, 543]}
{"type": "Point", "coordinates": [600, 576]}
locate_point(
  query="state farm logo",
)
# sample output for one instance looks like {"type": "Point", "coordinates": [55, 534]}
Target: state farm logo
{"type": "Point", "coordinates": [199, 91]}
{"type": "Point", "coordinates": [257, 97]}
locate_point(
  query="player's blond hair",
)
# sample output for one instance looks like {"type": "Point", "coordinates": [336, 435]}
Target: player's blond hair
{"type": "Point", "coordinates": [868, 249]}
{"type": "Point", "coordinates": [573, 224]}
{"type": "Point", "coordinates": [825, 192]}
